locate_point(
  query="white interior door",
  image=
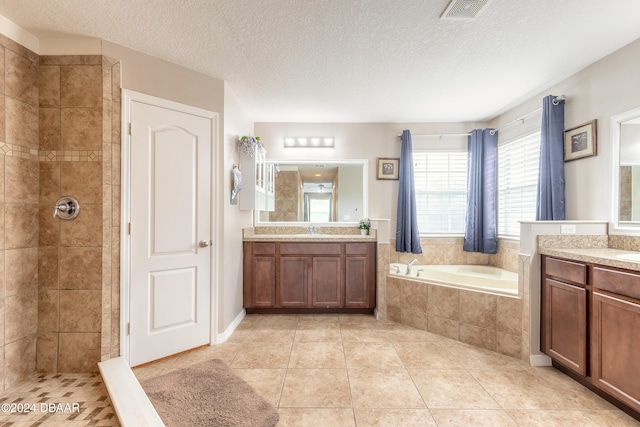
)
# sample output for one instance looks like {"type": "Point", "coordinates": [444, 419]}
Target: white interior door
{"type": "Point", "coordinates": [170, 243]}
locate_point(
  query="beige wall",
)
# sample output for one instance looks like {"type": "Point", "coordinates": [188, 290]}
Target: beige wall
{"type": "Point", "coordinates": [236, 123]}
{"type": "Point", "coordinates": [605, 88]}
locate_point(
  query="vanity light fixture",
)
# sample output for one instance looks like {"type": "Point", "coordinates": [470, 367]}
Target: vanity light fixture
{"type": "Point", "coordinates": [309, 141]}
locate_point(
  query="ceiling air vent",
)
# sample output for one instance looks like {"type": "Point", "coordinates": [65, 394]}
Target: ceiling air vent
{"type": "Point", "coordinates": [464, 10]}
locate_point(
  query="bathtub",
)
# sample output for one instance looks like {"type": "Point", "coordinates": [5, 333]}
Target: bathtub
{"type": "Point", "coordinates": [482, 278]}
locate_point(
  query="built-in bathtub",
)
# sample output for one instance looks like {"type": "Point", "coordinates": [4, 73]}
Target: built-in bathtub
{"type": "Point", "coordinates": [476, 304]}
{"type": "Point", "coordinates": [482, 278]}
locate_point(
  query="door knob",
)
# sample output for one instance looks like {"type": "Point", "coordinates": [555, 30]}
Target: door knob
{"type": "Point", "coordinates": [204, 243]}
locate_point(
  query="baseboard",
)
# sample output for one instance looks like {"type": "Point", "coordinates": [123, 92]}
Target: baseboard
{"type": "Point", "coordinates": [540, 360]}
{"type": "Point", "coordinates": [220, 338]}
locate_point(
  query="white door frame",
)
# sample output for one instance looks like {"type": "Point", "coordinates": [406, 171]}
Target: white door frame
{"type": "Point", "coordinates": [129, 96]}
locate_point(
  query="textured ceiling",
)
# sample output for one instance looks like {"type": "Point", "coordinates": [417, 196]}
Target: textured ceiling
{"type": "Point", "coordinates": [355, 60]}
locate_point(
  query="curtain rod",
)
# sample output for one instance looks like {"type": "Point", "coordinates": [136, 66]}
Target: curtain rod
{"type": "Point", "coordinates": [555, 101]}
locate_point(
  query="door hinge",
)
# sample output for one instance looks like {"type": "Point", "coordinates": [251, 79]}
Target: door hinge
{"type": "Point", "coordinates": [128, 328]}
{"type": "Point", "coordinates": [129, 228]}
{"type": "Point", "coordinates": [129, 128]}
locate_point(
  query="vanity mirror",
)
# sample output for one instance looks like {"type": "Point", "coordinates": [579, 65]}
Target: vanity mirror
{"type": "Point", "coordinates": [318, 191]}
{"type": "Point", "coordinates": [625, 138]}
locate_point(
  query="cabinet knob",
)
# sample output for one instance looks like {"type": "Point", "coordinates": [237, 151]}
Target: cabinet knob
{"type": "Point", "coordinates": [204, 243]}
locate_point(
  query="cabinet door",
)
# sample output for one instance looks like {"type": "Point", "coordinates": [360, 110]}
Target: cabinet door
{"type": "Point", "coordinates": [326, 282]}
{"type": "Point", "coordinates": [615, 349]}
{"type": "Point", "coordinates": [264, 281]}
{"type": "Point", "coordinates": [356, 282]}
{"type": "Point", "coordinates": [565, 324]}
{"type": "Point", "coordinates": [293, 282]}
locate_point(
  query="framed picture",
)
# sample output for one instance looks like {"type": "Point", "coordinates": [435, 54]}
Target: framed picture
{"type": "Point", "coordinates": [580, 141]}
{"type": "Point", "coordinates": [387, 168]}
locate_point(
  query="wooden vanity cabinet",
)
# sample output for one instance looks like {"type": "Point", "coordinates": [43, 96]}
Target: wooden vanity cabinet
{"type": "Point", "coordinates": [615, 326]}
{"type": "Point", "coordinates": [313, 276]}
{"type": "Point", "coordinates": [590, 326]}
{"type": "Point", "coordinates": [564, 313]}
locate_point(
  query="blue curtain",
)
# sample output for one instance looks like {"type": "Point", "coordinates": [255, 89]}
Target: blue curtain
{"type": "Point", "coordinates": [407, 234]}
{"type": "Point", "coordinates": [482, 185]}
{"type": "Point", "coordinates": [550, 198]}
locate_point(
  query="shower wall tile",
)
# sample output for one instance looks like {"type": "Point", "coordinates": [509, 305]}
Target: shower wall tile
{"type": "Point", "coordinates": [50, 130]}
{"type": "Point", "coordinates": [105, 333]}
{"type": "Point", "coordinates": [2, 280]}
{"type": "Point", "coordinates": [21, 225]}
{"type": "Point", "coordinates": [71, 60]}
{"type": "Point", "coordinates": [115, 333]}
{"type": "Point", "coordinates": [80, 311]}
{"type": "Point", "coordinates": [2, 226]}
{"type": "Point", "coordinates": [21, 269]}
{"type": "Point", "coordinates": [48, 267]}
{"type": "Point", "coordinates": [21, 123]}
{"type": "Point", "coordinates": [47, 352]}
{"type": "Point", "coordinates": [49, 234]}
{"type": "Point", "coordinates": [80, 86]}
{"type": "Point", "coordinates": [80, 268]}
{"type": "Point", "coordinates": [2, 319]}
{"type": "Point", "coordinates": [83, 180]}
{"type": "Point", "coordinates": [49, 183]}
{"type": "Point", "coordinates": [78, 352]}
{"type": "Point", "coordinates": [116, 95]}
{"type": "Point", "coordinates": [2, 120]}
{"type": "Point", "coordinates": [21, 78]}
{"type": "Point", "coordinates": [2, 167]}
{"type": "Point", "coordinates": [21, 316]}
{"type": "Point", "coordinates": [21, 180]}
{"type": "Point", "coordinates": [48, 310]}
{"type": "Point", "coordinates": [19, 360]}
{"type": "Point", "coordinates": [2, 69]}
{"type": "Point", "coordinates": [106, 120]}
{"type": "Point", "coordinates": [85, 230]}
{"type": "Point", "coordinates": [106, 79]}
{"type": "Point", "coordinates": [106, 163]}
{"type": "Point", "coordinates": [115, 164]}
{"type": "Point", "coordinates": [49, 86]}
{"type": "Point", "coordinates": [81, 128]}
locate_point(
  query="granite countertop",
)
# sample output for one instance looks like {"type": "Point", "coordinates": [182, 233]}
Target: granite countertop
{"type": "Point", "coordinates": [603, 256]}
{"type": "Point", "coordinates": [308, 238]}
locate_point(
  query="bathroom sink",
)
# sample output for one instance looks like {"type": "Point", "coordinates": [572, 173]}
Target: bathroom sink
{"type": "Point", "coordinates": [629, 257]}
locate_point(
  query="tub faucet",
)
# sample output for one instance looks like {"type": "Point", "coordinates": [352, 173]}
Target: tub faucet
{"type": "Point", "coordinates": [413, 261]}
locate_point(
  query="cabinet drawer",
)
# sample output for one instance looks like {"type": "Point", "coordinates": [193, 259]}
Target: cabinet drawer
{"type": "Point", "coordinates": [566, 270]}
{"type": "Point", "coordinates": [310, 248]}
{"type": "Point", "coordinates": [264, 248]}
{"type": "Point", "coordinates": [618, 282]}
{"type": "Point", "coordinates": [355, 248]}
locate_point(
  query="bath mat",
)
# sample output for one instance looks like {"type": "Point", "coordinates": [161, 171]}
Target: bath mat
{"type": "Point", "coordinates": [208, 394]}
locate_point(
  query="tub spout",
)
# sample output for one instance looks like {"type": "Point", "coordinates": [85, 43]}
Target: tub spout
{"type": "Point", "coordinates": [413, 261]}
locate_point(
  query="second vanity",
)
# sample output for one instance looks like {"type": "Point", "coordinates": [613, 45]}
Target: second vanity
{"type": "Point", "coordinates": [591, 319]}
{"type": "Point", "coordinates": [286, 273]}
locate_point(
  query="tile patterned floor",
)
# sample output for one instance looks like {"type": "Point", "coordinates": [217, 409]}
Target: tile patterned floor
{"type": "Point", "coordinates": [58, 400]}
{"type": "Point", "coordinates": [351, 370]}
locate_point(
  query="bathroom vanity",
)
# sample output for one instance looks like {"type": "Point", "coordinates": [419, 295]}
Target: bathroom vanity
{"type": "Point", "coordinates": [289, 273]}
{"type": "Point", "coordinates": [591, 320]}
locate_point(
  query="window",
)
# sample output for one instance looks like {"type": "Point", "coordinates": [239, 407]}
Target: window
{"type": "Point", "coordinates": [441, 191]}
{"type": "Point", "coordinates": [517, 183]}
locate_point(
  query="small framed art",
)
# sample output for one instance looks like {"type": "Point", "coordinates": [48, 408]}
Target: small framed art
{"type": "Point", "coordinates": [387, 168]}
{"type": "Point", "coordinates": [580, 141]}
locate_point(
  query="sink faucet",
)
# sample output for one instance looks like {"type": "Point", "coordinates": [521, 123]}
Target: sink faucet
{"type": "Point", "coordinates": [312, 229]}
{"type": "Point", "coordinates": [413, 261]}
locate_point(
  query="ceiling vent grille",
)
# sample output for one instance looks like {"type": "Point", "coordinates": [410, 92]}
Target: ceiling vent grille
{"type": "Point", "coordinates": [464, 10]}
